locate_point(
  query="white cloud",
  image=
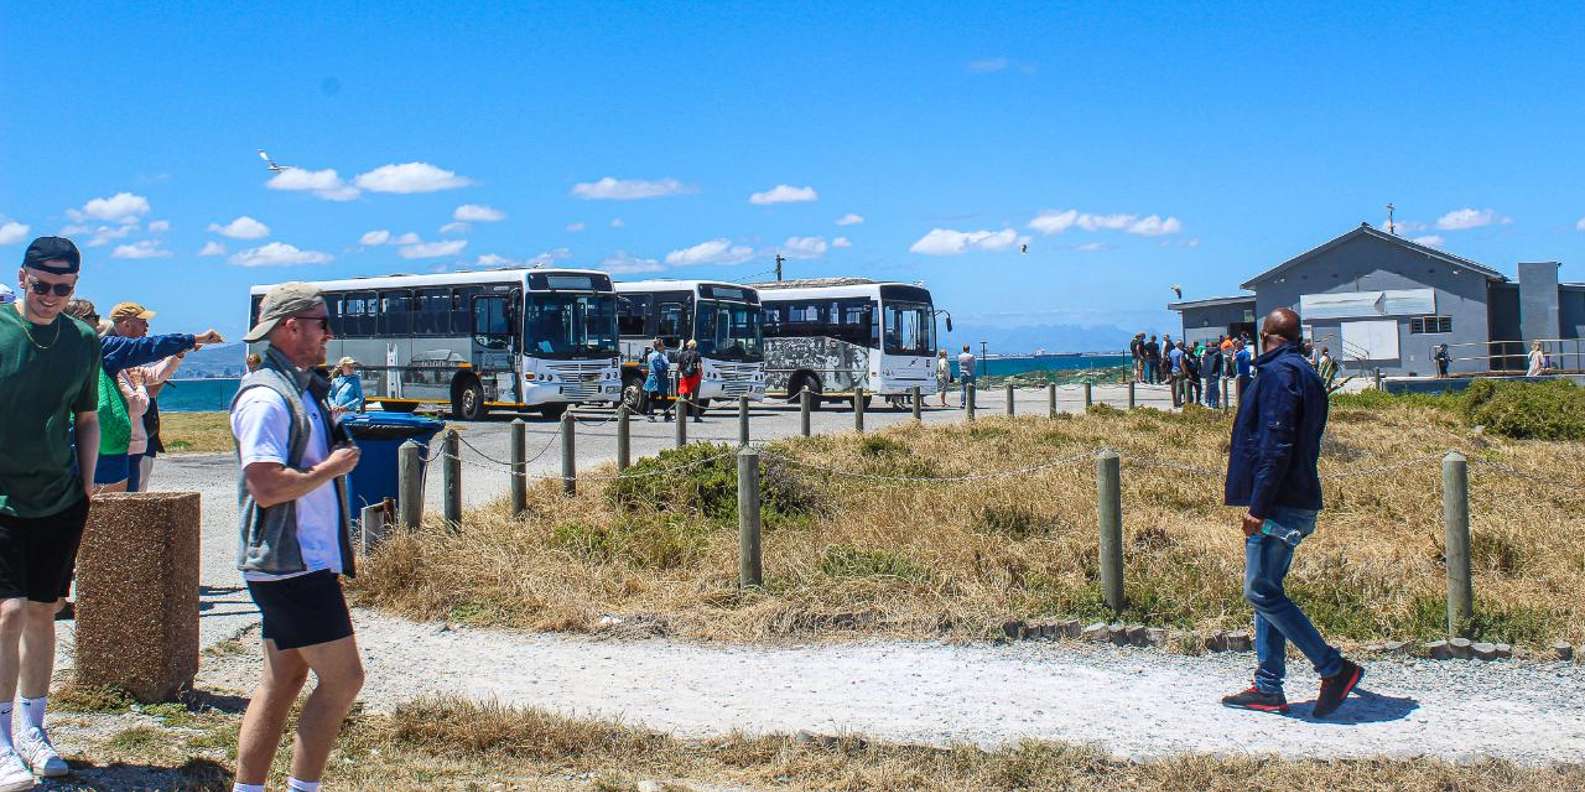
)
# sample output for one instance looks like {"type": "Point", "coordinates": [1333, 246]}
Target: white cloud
{"type": "Point", "coordinates": [804, 247]}
{"type": "Point", "coordinates": [715, 251]}
{"type": "Point", "coordinates": [784, 193]}
{"type": "Point", "coordinates": [141, 249]}
{"type": "Point", "coordinates": [1056, 221]}
{"type": "Point", "coordinates": [212, 248]}
{"type": "Point", "coordinates": [455, 228]}
{"type": "Point", "coordinates": [574, 227]}
{"type": "Point", "coordinates": [1580, 226]}
{"type": "Point", "coordinates": [12, 232]}
{"type": "Point", "coordinates": [278, 254]}
{"type": "Point", "coordinates": [159, 226]}
{"type": "Point", "coordinates": [478, 213]}
{"type": "Point", "coordinates": [947, 242]}
{"type": "Point", "coordinates": [102, 235]}
{"type": "Point", "coordinates": [373, 238]}
{"type": "Point", "coordinates": [1430, 240]}
{"type": "Point", "coordinates": [243, 227]}
{"type": "Point", "coordinates": [621, 263]}
{"type": "Point", "coordinates": [616, 222]}
{"type": "Point", "coordinates": [1154, 226]}
{"type": "Point", "coordinates": [408, 238]}
{"type": "Point", "coordinates": [613, 189]}
{"type": "Point", "coordinates": [1089, 247]}
{"type": "Point", "coordinates": [410, 177]}
{"type": "Point", "coordinates": [492, 260]}
{"type": "Point", "coordinates": [1193, 243]}
{"type": "Point", "coordinates": [550, 257]}
{"type": "Point", "coordinates": [421, 250]}
{"type": "Point", "coordinates": [124, 208]}
{"type": "Point", "coordinates": [326, 184]}
{"type": "Point", "coordinates": [987, 65]}
{"type": "Point", "coordinates": [850, 219]}
{"type": "Point", "coordinates": [1402, 226]}
{"type": "Point", "coordinates": [1463, 219]}
{"type": "Point", "coordinates": [841, 242]}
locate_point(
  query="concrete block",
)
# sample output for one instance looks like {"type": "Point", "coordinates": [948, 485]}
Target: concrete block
{"type": "Point", "coordinates": [1484, 651]}
{"type": "Point", "coordinates": [1156, 636]}
{"type": "Point", "coordinates": [1013, 629]}
{"type": "Point", "coordinates": [1395, 647]}
{"type": "Point", "coordinates": [1239, 642]}
{"type": "Point", "coordinates": [137, 594]}
{"type": "Point", "coordinates": [1136, 634]}
{"type": "Point", "coordinates": [1461, 648]}
{"type": "Point", "coordinates": [1562, 650]}
{"type": "Point", "coordinates": [1118, 633]}
{"type": "Point", "coordinates": [1504, 651]}
{"type": "Point", "coordinates": [1096, 632]}
{"type": "Point", "coordinates": [1217, 642]}
{"type": "Point", "coordinates": [1071, 628]}
{"type": "Point", "coordinates": [1049, 632]}
{"type": "Point", "coordinates": [1438, 650]}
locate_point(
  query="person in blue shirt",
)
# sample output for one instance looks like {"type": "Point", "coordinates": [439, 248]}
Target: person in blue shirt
{"type": "Point", "coordinates": [346, 390]}
{"type": "Point", "coordinates": [1175, 372]}
{"type": "Point", "coordinates": [655, 382]}
{"type": "Point", "coordinates": [1242, 367]}
{"type": "Point", "coordinates": [1272, 473]}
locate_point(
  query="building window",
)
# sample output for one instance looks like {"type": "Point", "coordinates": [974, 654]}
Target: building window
{"type": "Point", "coordinates": [1421, 325]}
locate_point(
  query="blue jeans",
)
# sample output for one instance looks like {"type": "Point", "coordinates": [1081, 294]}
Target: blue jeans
{"type": "Point", "coordinates": [1277, 619]}
{"type": "Point", "coordinates": [1213, 395]}
{"type": "Point", "coordinates": [968, 385]}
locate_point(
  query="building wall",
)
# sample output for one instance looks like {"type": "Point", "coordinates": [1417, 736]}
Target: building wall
{"type": "Point", "coordinates": [1538, 299]}
{"type": "Point", "coordinates": [1571, 311]}
{"type": "Point", "coordinates": [1366, 263]}
{"type": "Point", "coordinates": [1503, 300]}
{"type": "Point", "coordinates": [1205, 324]}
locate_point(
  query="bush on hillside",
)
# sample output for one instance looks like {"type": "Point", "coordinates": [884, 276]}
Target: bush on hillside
{"type": "Point", "coordinates": [702, 477]}
{"type": "Point", "coordinates": [1552, 410]}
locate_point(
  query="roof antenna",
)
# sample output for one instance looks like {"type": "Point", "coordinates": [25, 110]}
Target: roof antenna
{"type": "Point", "coordinates": [779, 260]}
{"type": "Point", "coordinates": [1392, 228]}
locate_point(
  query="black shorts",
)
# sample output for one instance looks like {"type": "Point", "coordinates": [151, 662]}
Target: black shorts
{"type": "Point", "coordinates": [38, 554]}
{"type": "Point", "coordinates": [304, 610]}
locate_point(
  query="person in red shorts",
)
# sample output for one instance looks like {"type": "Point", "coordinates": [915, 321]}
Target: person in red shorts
{"type": "Point", "coordinates": [690, 369]}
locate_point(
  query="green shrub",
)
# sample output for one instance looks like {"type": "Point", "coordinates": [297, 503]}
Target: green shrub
{"type": "Point", "coordinates": [702, 477]}
{"type": "Point", "coordinates": [847, 561]}
{"type": "Point", "coordinates": [1373, 399]}
{"type": "Point", "coordinates": [1553, 410]}
{"type": "Point", "coordinates": [644, 540]}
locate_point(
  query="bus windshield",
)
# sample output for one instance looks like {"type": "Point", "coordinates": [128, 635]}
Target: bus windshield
{"type": "Point", "coordinates": [729, 331]}
{"type": "Point", "coordinates": [910, 328]}
{"type": "Point", "coordinates": [568, 326]}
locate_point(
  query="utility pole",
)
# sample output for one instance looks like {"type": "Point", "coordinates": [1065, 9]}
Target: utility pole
{"type": "Point", "coordinates": [779, 259]}
{"type": "Point", "coordinates": [982, 350]}
{"type": "Point", "coordinates": [1392, 228]}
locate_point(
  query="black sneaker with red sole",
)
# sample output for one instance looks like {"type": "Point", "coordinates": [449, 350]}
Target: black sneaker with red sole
{"type": "Point", "coordinates": [1254, 699]}
{"type": "Point", "coordinates": [1335, 688]}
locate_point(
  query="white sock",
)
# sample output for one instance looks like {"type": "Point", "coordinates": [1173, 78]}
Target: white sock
{"type": "Point", "coordinates": [33, 710]}
{"type": "Point", "coordinates": [302, 786]}
{"type": "Point", "coordinates": [5, 725]}
{"type": "Point", "coordinates": [239, 787]}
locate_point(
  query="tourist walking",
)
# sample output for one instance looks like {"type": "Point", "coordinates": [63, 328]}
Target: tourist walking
{"type": "Point", "coordinates": [1443, 361]}
{"type": "Point", "coordinates": [1136, 351]}
{"type": "Point", "coordinates": [943, 374]}
{"type": "Point", "coordinates": [294, 540]}
{"type": "Point", "coordinates": [131, 320]}
{"type": "Point", "coordinates": [690, 372]}
{"type": "Point", "coordinates": [966, 363]}
{"type": "Point", "coordinates": [655, 381]}
{"type": "Point", "coordinates": [346, 389]}
{"type": "Point", "coordinates": [1272, 473]}
{"type": "Point", "coordinates": [1243, 366]}
{"type": "Point", "coordinates": [49, 381]}
{"type": "Point", "coordinates": [1537, 360]}
{"type": "Point", "coordinates": [1326, 368]}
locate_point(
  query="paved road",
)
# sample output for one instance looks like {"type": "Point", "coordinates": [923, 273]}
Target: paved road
{"type": "Point", "coordinates": [226, 608]}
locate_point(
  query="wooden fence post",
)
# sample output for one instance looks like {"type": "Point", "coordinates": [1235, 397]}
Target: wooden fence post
{"type": "Point", "coordinates": [410, 485]}
{"type": "Point", "coordinates": [452, 468]}
{"type": "Point", "coordinates": [749, 570]}
{"type": "Point", "coordinates": [519, 467]}
{"type": "Point", "coordinates": [1455, 519]}
{"type": "Point", "coordinates": [1108, 485]}
{"type": "Point", "coordinates": [569, 454]}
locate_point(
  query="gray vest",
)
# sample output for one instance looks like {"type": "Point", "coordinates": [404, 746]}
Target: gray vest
{"type": "Point", "coordinates": [268, 536]}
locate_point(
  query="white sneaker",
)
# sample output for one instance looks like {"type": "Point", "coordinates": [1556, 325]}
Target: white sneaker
{"type": "Point", "coordinates": [14, 776]}
{"type": "Point", "coordinates": [33, 746]}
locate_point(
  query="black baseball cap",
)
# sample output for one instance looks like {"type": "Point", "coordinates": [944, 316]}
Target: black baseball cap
{"type": "Point", "coordinates": [47, 253]}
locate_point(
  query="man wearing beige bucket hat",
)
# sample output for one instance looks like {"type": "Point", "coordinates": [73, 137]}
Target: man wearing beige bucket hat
{"type": "Point", "coordinates": [294, 539]}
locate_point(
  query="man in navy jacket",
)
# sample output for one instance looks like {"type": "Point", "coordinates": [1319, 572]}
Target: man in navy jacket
{"type": "Point", "coordinates": [1271, 470]}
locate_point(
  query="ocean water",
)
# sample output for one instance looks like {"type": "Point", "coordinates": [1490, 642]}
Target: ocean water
{"type": "Point", "coordinates": [204, 395]}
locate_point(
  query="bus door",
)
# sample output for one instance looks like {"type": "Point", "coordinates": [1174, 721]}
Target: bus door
{"type": "Point", "coordinates": [492, 333]}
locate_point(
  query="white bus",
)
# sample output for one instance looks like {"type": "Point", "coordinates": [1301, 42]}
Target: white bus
{"type": "Point", "coordinates": [538, 339]}
{"type": "Point", "coordinates": [835, 335]}
{"type": "Point", "coordinates": [723, 317]}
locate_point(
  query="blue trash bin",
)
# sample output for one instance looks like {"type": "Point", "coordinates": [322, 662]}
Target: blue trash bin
{"type": "Point", "coordinates": [378, 435]}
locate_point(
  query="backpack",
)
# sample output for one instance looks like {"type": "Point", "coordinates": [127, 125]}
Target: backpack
{"type": "Point", "coordinates": [689, 363]}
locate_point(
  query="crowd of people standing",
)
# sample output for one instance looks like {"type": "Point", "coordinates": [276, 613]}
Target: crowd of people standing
{"type": "Point", "coordinates": [1195, 372]}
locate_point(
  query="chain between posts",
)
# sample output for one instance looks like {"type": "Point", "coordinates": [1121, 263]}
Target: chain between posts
{"type": "Point", "coordinates": [1016, 472]}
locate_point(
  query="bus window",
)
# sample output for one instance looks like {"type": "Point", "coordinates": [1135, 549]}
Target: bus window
{"type": "Point", "coordinates": [491, 327]}
{"type": "Point", "coordinates": [670, 324]}
{"type": "Point", "coordinates": [461, 310]}
{"type": "Point", "coordinates": [396, 312]}
{"type": "Point", "coordinates": [632, 314]}
{"type": "Point", "coordinates": [359, 310]}
{"type": "Point", "coordinates": [433, 314]}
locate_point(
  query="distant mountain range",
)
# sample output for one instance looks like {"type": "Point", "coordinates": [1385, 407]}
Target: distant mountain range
{"type": "Point", "coordinates": [219, 360]}
{"type": "Point", "coordinates": [1029, 338]}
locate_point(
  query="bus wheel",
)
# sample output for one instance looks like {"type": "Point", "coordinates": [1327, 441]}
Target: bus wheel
{"type": "Point", "coordinates": [553, 411]}
{"type": "Point", "coordinates": [467, 400]}
{"type": "Point", "coordinates": [797, 385]}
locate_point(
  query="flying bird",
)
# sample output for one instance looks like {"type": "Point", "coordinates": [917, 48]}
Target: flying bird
{"type": "Point", "coordinates": [1178, 290]}
{"type": "Point", "coordinates": [269, 163]}
{"type": "Point", "coordinates": [1024, 248]}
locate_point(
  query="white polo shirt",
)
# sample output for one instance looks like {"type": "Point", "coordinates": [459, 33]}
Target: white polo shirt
{"type": "Point", "coordinates": [261, 422]}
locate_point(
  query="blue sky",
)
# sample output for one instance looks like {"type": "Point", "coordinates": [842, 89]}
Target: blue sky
{"type": "Point", "coordinates": [1130, 146]}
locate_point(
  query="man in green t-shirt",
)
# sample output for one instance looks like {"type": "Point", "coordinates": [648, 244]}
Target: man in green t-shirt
{"type": "Point", "coordinates": [49, 378]}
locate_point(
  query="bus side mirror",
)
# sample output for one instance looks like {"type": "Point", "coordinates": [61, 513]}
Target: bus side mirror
{"type": "Point", "coordinates": [949, 323]}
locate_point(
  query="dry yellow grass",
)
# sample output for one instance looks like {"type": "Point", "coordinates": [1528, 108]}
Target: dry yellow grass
{"type": "Point", "coordinates": [459, 744]}
{"type": "Point", "coordinates": [196, 432]}
{"type": "Point", "coordinates": [846, 556]}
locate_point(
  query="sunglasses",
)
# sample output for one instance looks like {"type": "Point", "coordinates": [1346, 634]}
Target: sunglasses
{"type": "Point", "coordinates": [41, 288]}
{"type": "Point", "coordinates": [324, 321]}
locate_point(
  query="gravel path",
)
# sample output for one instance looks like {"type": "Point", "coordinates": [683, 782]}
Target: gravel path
{"type": "Point", "coordinates": [1136, 703]}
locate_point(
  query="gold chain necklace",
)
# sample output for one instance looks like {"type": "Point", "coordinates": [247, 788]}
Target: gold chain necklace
{"type": "Point", "coordinates": [27, 327]}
